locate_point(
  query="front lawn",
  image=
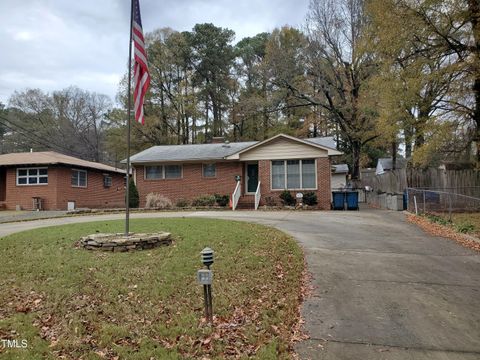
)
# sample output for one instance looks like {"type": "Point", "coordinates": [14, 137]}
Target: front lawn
{"type": "Point", "coordinates": [66, 301]}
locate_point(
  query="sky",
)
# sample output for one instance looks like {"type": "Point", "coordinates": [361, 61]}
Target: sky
{"type": "Point", "coordinates": [53, 44]}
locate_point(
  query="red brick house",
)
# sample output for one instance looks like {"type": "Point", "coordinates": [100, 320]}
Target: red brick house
{"type": "Point", "coordinates": [53, 181]}
{"type": "Point", "coordinates": [252, 173]}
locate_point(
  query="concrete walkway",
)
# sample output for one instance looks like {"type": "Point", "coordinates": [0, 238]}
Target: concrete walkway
{"type": "Point", "coordinates": [383, 288]}
{"type": "Point", "coordinates": [11, 216]}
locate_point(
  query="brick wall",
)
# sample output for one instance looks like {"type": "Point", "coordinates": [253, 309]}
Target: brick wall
{"type": "Point", "coordinates": [95, 195]}
{"type": "Point", "coordinates": [22, 195]}
{"type": "Point", "coordinates": [323, 183]}
{"type": "Point", "coordinates": [3, 185]}
{"type": "Point", "coordinates": [324, 192]}
{"type": "Point", "coordinates": [192, 184]}
{"type": "Point", "coordinates": [59, 191]}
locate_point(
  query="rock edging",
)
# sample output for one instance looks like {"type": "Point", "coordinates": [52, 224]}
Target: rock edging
{"type": "Point", "coordinates": [121, 243]}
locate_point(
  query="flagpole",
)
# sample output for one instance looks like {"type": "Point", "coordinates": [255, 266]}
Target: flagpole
{"type": "Point", "coordinates": [129, 105]}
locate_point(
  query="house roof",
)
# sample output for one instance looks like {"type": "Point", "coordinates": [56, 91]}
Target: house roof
{"type": "Point", "coordinates": [327, 141]}
{"type": "Point", "coordinates": [217, 151]}
{"type": "Point", "coordinates": [51, 157]}
{"type": "Point", "coordinates": [387, 163]}
{"type": "Point", "coordinates": [340, 169]}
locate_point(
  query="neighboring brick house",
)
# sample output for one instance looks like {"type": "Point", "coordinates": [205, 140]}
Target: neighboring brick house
{"type": "Point", "coordinates": [265, 169]}
{"type": "Point", "coordinates": [55, 181]}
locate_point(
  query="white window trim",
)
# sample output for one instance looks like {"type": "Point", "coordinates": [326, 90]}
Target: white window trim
{"type": "Point", "coordinates": [203, 171]}
{"type": "Point", "coordinates": [86, 179]}
{"type": "Point", "coordinates": [27, 176]}
{"type": "Point", "coordinates": [301, 175]}
{"type": "Point", "coordinates": [163, 172]}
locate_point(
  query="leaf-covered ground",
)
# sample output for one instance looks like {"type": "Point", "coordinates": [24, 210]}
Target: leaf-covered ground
{"type": "Point", "coordinates": [71, 303]}
{"type": "Point", "coordinates": [445, 230]}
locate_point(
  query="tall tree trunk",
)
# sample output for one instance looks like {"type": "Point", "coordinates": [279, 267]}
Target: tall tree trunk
{"type": "Point", "coordinates": [356, 151]}
{"type": "Point", "coordinates": [194, 117]}
{"type": "Point", "coordinates": [394, 155]}
{"type": "Point", "coordinates": [474, 9]}
{"type": "Point", "coordinates": [408, 133]}
{"type": "Point", "coordinates": [419, 127]}
{"type": "Point", "coordinates": [265, 113]}
{"type": "Point", "coordinates": [163, 116]}
{"type": "Point", "coordinates": [206, 120]}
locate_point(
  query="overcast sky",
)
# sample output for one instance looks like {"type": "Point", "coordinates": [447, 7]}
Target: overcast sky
{"type": "Point", "coordinates": [52, 44]}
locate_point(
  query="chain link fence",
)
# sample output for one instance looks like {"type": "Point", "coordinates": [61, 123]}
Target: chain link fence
{"type": "Point", "coordinates": [428, 201]}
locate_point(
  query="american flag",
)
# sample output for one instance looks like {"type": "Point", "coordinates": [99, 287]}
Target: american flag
{"type": "Point", "coordinates": [141, 77]}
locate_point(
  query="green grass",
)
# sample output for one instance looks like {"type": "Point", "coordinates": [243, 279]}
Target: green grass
{"type": "Point", "coordinates": [66, 301]}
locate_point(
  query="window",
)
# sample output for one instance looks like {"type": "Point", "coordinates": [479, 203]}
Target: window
{"type": "Point", "coordinates": [173, 171]}
{"type": "Point", "coordinates": [278, 174]}
{"type": "Point", "coordinates": [107, 180]}
{"type": "Point", "coordinates": [153, 172]}
{"type": "Point", "coordinates": [79, 178]}
{"type": "Point", "coordinates": [163, 172]}
{"type": "Point", "coordinates": [32, 176]}
{"type": "Point", "coordinates": [209, 170]}
{"type": "Point", "coordinates": [294, 174]}
{"type": "Point", "coordinates": [309, 176]}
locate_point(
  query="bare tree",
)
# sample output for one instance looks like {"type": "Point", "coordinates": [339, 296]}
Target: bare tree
{"type": "Point", "coordinates": [70, 121]}
{"type": "Point", "coordinates": [338, 67]}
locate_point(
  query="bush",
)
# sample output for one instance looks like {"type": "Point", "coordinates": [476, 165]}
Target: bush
{"type": "Point", "coordinates": [133, 198]}
{"type": "Point", "coordinates": [287, 198]}
{"type": "Point", "coordinates": [222, 200]}
{"type": "Point", "coordinates": [204, 200]}
{"type": "Point", "coordinates": [270, 201]}
{"type": "Point", "coordinates": [182, 203]}
{"type": "Point", "coordinates": [157, 201]}
{"type": "Point", "coordinates": [310, 198]}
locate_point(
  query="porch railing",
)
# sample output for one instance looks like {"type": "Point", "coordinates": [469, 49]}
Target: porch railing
{"type": "Point", "coordinates": [257, 196]}
{"type": "Point", "coordinates": [236, 195]}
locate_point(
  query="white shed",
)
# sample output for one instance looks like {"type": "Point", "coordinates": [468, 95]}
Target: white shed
{"type": "Point", "coordinates": [339, 176]}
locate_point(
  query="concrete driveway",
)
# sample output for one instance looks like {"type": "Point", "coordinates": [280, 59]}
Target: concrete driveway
{"type": "Point", "coordinates": [383, 288]}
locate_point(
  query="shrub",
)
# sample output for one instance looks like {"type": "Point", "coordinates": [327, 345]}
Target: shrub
{"type": "Point", "coordinates": [287, 198]}
{"type": "Point", "coordinates": [310, 198]}
{"type": "Point", "coordinates": [133, 198]}
{"type": "Point", "coordinates": [204, 200]}
{"type": "Point", "coordinates": [182, 203]}
{"type": "Point", "coordinates": [222, 200]}
{"type": "Point", "coordinates": [157, 201]}
{"type": "Point", "coordinates": [270, 201]}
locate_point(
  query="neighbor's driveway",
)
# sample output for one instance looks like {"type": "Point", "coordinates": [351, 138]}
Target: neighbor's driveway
{"type": "Point", "coordinates": [383, 288]}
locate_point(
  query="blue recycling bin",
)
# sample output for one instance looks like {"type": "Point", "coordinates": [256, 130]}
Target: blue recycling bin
{"type": "Point", "coordinates": [352, 200]}
{"type": "Point", "coordinates": [338, 200]}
